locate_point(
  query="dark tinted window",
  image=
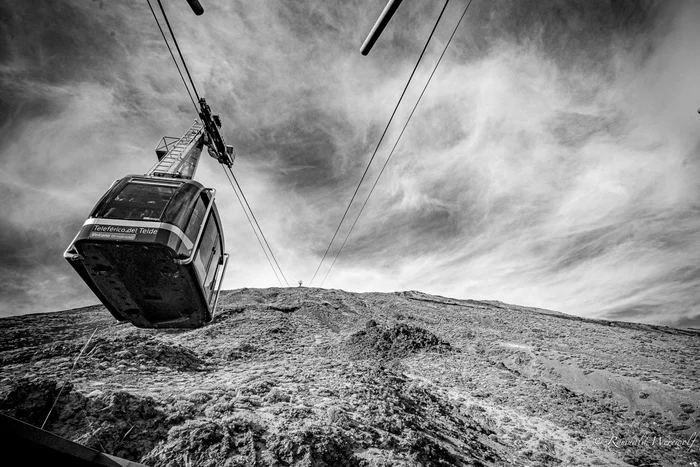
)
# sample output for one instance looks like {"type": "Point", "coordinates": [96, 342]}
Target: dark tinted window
{"type": "Point", "coordinates": [196, 219]}
{"type": "Point", "coordinates": [213, 262]}
{"type": "Point", "coordinates": [139, 201]}
{"type": "Point", "coordinates": [99, 207]}
{"type": "Point", "coordinates": [208, 244]}
{"type": "Point", "coordinates": [178, 210]}
{"type": "Point", "coordinates": [210, 253]}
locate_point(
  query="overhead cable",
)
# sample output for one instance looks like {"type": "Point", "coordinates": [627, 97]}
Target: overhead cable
{"type": "Point", "coordinates": [245, 201]}
{"type": "Point", "coordinates": [380, 141]}
{"type": "Point", "coordinates": [173, 56]}
{"type": "Point", "coordinates": [251, 225]}
{"type": "Point", "coordinates": [231, 178]}
{"type": "Point", "coordinates": [396, 143]}
{"type": "Point", "coordinates": [66, 380]}
{"type": "Point", "coordinates": [167, 22]}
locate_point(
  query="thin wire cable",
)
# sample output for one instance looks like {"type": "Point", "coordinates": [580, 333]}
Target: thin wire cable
{"type": "Point", "coordinates": [167, 22]}
{"type": "Point", "coordinates": [258, 225]}
{"type": "Point", "coordinates": [162, 33]}
{"type": "Point", "coordinates": [194, 88]}
{"type": "Point", "coordinates": [396, 143]}
{"type": "Point", "coordinates": [66, 380]}
{"type": "Point", "coordinates": [380, 142]}
{"type": "Point", "coordinates": [251, 225]}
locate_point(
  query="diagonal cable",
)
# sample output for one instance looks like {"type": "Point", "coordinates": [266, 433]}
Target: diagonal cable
{"type": "Point", "coordinates": [173, 56]}
{"type": "Point", "coordinates": [380, 141]}
{"type": "Point", "coordinates": [232, 178]}
{"type": "Point", "coordinates": [396, 143]}
{"type": "Point", "coordinates": [167, 22]}
{"type": "Point", "coordinates": [245, 200]}
{"type": "Point", "coordinates": [252, 226]}
{"type": "Point", "coordinates": [66, 380]}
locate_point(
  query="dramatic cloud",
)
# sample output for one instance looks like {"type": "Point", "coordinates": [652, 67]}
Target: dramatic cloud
{"type": "Point", "coordinates": [553, 161]}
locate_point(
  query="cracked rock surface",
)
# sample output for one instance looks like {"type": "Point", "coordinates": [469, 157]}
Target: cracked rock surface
{"type": "Point", "coordinates": [317, 377]}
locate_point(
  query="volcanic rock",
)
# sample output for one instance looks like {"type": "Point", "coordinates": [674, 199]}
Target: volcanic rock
{"type": "Point", "coordinates": [315, 377]}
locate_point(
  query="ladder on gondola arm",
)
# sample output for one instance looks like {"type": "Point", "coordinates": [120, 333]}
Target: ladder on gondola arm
{"type": "Point", "coordinates": [177, 157]}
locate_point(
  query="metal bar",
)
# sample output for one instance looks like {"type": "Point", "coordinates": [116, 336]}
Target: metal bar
{"type": "Point", "coordinates": [34, 446]}
{"type": "Point", "coordinates": [196, 7]}
{"type": "Point", "coordinates": [379, 26]}
{"type": "Point", "coordinates": [221, 283]}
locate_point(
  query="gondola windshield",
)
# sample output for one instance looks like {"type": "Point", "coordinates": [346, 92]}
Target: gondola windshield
{"type": "Point", "coordinates": [139, 201]}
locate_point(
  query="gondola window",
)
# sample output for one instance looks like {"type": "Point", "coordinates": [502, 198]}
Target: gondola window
{"type": "Point", "coordinates": [139, 202]}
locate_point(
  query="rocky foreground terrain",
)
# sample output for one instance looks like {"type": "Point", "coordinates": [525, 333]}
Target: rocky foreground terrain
{"type": "Point", "coordinates": [313, 377]}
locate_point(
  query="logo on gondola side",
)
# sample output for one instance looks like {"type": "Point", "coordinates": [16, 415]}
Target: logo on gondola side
{"type": "Point", "coordinates": [116, 232]}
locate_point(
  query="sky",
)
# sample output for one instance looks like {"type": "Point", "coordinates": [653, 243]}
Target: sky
{"type": "Point", "coordinates": [553, 162]}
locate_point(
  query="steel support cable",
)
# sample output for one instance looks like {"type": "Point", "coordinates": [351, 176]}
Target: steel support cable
{"type": "Point", "coordinates": [69, 376]}
{"type": "Point", "coordinates": [252, 226]}
{"type": "Point", "coordinates": [380, 142]}
{"type": "Point", "coordinates": [194, 88]}
{"type": "Point", "coordinates": [245, 200]}
{"type": "Point", "coordinates": [397, 142]}
{"type": "Point", "coordinates": [162, 33]}
{"type": "Point", "coordinates": [167, 22]}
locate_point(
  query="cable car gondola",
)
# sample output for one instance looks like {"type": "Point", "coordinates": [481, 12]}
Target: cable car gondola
{"type": "Point", "coordinates": [152, 249]}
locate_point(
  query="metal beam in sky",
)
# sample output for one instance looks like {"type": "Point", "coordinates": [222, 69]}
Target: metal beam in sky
{"type": "Point", "coordinates": [196, 7]}
{"type": "Point", "coordinates": [379, 26]}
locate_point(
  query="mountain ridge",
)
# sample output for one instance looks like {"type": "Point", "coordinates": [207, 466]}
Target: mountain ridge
{"type": "Point", "coordinates": [306, 376]}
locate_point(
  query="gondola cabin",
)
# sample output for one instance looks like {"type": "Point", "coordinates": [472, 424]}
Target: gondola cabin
{"type": "Point", "coordinates": [152, 251]}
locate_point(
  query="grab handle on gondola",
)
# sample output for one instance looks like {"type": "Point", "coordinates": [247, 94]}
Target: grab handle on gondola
{"type": "Point", "coordinates": [195, 247]}
{"type": "Point", "coordinates": [218, 286]}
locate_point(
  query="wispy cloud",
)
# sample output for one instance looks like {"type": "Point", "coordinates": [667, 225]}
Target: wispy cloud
{"type": "Point", "coordinates": [553, 161]}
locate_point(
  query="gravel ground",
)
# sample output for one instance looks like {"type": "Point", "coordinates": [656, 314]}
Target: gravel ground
{"type": "Point", "coordinates": [316, 377]}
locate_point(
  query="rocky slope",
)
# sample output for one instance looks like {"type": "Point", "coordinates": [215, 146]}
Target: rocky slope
{"type": "Point", "coordinates": [314, 377]}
